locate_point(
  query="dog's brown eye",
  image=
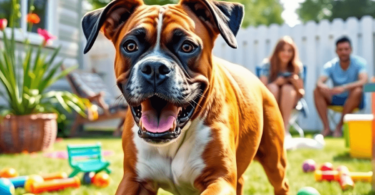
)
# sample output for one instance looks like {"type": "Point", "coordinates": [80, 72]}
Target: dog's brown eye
{"type": "Point", "coordinates": [131, 46]}
{"type": "Point", "coordinates": [187, 47]}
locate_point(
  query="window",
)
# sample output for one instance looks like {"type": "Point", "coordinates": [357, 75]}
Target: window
{"type": "Point", "coordinates": [5, 10]}
{"type": "Point", "coordinates": [40, 8]}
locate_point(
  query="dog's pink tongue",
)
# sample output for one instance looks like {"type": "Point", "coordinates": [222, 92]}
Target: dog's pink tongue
{"type": "Point", "coordinates": [165, 122]}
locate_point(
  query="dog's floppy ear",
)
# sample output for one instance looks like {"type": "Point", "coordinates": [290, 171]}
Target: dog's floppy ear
{"type": "Point", "coordinates": [225, 17]}
{"type": "Point", "coordinates": [107, 19]}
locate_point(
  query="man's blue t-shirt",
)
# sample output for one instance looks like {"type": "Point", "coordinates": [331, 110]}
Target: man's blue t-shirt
{"type": "Point", "coordinates": [339, 77]}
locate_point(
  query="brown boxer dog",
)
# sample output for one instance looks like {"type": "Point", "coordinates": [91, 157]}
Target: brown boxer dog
{"type": "Point", "coordinates": [195, 121]}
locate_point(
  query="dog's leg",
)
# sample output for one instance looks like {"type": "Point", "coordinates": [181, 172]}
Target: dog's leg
{"type": "Point", "coordinates": [130, 187]}
{"type": "Point", "coordinates": [240, 185]}
{"type": "Point", "coordinates": [219, 187]}
{"type": "Point", "coordinates": [271, 153]}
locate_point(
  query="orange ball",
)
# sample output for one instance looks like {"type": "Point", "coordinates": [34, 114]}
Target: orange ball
{"type": "Point", "coordinates": [101, 180]}
{"type": "Point", "coordinates": [8, 173]}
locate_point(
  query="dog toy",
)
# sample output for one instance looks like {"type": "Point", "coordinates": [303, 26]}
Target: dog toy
{"type": "Point", "coordinates": [361, 176]}
{"type": "Point", "coordinates": [308, 191]}
{"type": "Point", "coordinates": [6, 187]}
{"type": "Point", "coordinates": [87, 177]}
{"type": "Point", "coordinates": [52, 185]}
{"type": "Point", "coordinates": [326, 175]}
{"type": "Point", "coordinates": [101, 180]}
{"type": "Point", "coordinates": [31, 180]}
{"type": "Point", "coordinates": [308, 165]}
{"type": "Point", "coordinates": [19, 182]}
{"type": "Point", "coordinates": [8, 173]}
{"type": "Point", "coordinates": [326, 167]}
{"type": "Point", "coordinates": [346, 182]}
{"type": "Point", "coordinates": [61, 175]}
{"type": "Point", "coordinates": [334, 175]}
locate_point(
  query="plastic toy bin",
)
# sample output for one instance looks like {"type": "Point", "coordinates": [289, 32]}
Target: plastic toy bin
{"type": "Point", "coordinates": [359, 134]}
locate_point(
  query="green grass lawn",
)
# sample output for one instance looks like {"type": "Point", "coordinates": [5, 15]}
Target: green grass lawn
{"type": "Point", "coordinates": [256, 179]}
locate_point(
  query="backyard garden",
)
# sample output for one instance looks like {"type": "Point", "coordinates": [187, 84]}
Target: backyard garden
{"type": "Point", "coordinates": [45, 147]}
{"type": "Point", "coordinates": [256, 180]}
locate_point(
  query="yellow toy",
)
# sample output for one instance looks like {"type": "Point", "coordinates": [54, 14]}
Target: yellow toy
{"type": "Point", "coordinates": [32, 180]}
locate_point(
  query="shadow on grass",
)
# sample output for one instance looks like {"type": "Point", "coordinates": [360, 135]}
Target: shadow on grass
{"type": "Point", "coordinates": [347, 158]}
{"type": "Point", "coordinates": [371, 193]}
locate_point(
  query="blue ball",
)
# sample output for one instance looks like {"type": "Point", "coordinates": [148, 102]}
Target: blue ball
{"type": "Point", "coordinates": [6, 187]}
{"type": "Point", "coordinates": [87, 177]}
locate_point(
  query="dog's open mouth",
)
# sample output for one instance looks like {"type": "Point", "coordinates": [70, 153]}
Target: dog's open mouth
{"type": "Point", "coordinates": [161, 121]}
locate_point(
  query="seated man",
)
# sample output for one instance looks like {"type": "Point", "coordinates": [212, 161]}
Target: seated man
{"type": "Point", "coordinates": [348, 74]}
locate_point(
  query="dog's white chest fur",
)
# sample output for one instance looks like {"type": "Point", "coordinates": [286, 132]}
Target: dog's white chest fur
{"type": "Point", "coordinates": [174, 167]}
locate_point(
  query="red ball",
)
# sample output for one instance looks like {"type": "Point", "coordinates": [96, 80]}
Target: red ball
{"type": "Point", "coordinates": [326, 167]}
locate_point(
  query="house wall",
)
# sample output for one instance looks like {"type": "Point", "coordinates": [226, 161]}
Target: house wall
{"type": "Point", "coordinates": [68, 31]}
{"type": "Point", "coordinates": [316, 44]}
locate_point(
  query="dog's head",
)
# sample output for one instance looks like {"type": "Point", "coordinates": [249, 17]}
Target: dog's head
{"type": "Point", "coordinates": [163, 57]}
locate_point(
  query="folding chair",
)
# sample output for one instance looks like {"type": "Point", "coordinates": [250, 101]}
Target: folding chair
{"type": "Point", "coordinates": [106, 106]}
{"type": "Point", "coordinates": [333, 110]}
{"type": "Point", "coordinates": [301, 107]}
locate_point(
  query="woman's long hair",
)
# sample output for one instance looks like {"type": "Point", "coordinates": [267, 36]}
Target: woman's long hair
{"type": "Point", "coordinates": [293, 65]}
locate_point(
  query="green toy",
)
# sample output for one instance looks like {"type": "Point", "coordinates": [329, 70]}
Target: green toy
{"type": "Point", "coordinates": [308, 191]}
{"type": "Point", "coordinates": [87, 158]}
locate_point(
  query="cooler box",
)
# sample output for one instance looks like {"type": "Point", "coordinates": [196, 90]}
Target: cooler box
{"type": "Point", "coordinates": [359, 134]}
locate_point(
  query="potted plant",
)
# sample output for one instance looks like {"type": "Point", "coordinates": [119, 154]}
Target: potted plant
{"type": "Point", "coordinates": [28, 119]}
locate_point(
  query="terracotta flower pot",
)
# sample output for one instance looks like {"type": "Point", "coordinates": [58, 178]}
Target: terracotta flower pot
{"type": "Point", "coordinates": [29, 133]}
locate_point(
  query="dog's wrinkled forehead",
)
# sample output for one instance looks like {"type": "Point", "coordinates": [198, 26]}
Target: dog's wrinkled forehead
{"type": "Point", "coordinates": [216, 17]}
{"type": "Point", "coordinates": [159, 24]}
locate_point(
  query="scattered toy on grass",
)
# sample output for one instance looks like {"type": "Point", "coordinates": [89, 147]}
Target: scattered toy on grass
{"type": "Point", "coordinates": [101, 180]}
{"type": "Point", "coordinates": [326, 167]}
{"type": "Point", "coordinates": [87, 177]}
{"type": "Point", "coordinates": [6, 187]}
{"type": "Point", "coordinates": [308, 166]}
{"type": "Point", "coordinates": [31, 180]}
{"type": "Point", "coordinates": [8, 173]}
{"type": "Point", "coordinates": [308, 191]}
{"type": "Point", "coordinates": [53, 185]}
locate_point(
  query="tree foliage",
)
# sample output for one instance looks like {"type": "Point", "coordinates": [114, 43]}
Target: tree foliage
{"type": "Point", "coordinates": [317, 10]}
{"type": "Point", "coordinates": [261, 12]}
{"type": "Point", "coordinates": [257, 12]}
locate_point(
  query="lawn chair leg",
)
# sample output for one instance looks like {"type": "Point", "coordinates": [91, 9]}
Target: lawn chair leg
{"type": "Point", "coordinates": [293, 123]}
{"type": "Point", "coordinates": [298, 129]}
{"type": "Point", "coordinates": [108, 170]}
{"type": "Point", "coordinates": [332, 115]}
{"type": "Point", "coordinates": [74, 173]}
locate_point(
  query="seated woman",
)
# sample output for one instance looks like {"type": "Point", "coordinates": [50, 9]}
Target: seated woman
{"type": "Point", "coordinates": [282, 74]}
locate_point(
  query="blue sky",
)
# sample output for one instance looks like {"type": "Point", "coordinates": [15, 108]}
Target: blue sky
{"type": "Point", "coordinates": [289, 14]}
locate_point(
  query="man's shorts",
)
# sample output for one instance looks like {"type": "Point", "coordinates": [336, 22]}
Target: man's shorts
{"type": "Point", "coordinates": [340, 101]}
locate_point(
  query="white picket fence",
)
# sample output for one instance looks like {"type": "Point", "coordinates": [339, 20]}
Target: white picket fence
{"type": "Point", "coordinates": [316, 44]}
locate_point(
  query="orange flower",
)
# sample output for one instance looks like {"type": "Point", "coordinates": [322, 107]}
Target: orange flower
{"type": "Point", "coordinates": [3, 23]}
{"type": "Point", "coordinates": [33, 18]}
{"type": "Point", "coordinates": [46, 36]}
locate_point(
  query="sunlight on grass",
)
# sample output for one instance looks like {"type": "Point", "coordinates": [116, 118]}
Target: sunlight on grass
{"type": "Point", "coordinates": [256, 180]}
